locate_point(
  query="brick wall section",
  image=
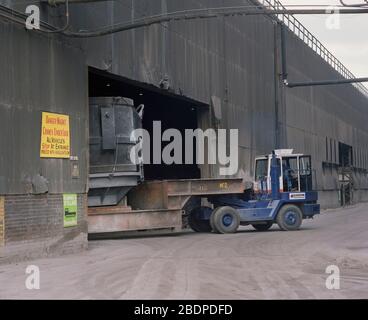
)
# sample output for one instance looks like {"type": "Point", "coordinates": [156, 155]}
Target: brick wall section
{"type": "Point", "coordinates": [29, 217]}
{"type": "Point", "coordinates": [34, 227]}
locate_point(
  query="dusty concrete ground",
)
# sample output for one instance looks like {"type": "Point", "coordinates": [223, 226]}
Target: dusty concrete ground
{"type": "Point", "coordinates": [246, 265]}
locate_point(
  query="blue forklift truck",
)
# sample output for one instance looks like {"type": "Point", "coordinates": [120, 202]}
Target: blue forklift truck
{"type": "Point", "coordinates": [282, 194]}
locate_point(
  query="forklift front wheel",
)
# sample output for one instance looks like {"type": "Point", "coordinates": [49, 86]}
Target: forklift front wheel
{"type": "Point", "coordinates": [225, 220]}
{"type": "Point", "coordinates": [289, 218]}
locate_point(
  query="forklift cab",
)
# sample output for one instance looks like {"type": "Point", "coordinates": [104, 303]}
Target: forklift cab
{"type": "Point", "coordinates": [295, 174]}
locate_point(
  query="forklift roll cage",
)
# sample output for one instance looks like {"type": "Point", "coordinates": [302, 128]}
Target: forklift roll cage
{"type": "Point", "coordinates": [295, 172]}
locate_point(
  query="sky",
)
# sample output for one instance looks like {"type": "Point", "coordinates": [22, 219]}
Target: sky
{"type": "Point", "coordinates": [349, 43]}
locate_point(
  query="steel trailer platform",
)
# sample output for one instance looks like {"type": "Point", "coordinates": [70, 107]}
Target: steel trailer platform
{"type": "Point", "coordinates": [158, 205]}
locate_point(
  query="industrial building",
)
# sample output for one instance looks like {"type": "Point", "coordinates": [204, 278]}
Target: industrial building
{"type": "Point", "coordinates": [225, 72]}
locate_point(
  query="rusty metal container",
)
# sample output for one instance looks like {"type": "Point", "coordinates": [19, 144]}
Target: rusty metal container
{"type": "Point", "coordinates": [111, 172]}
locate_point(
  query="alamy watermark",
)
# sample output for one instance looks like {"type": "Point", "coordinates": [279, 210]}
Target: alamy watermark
{"type": "Point", "coordinates": [33, 277]}
{"type": "Point", "coordinates": [33, 19]}
{"type": "Point", "coordinates": [333, 280]}
{"type": "Point", "coordinates": [211, 146]}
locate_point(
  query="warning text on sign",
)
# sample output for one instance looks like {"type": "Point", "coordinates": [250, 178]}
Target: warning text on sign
{"type": "Point", "coordinates": [55, 136]}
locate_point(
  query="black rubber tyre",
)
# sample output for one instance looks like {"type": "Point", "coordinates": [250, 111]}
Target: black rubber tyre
{"type": "Point", "coordinates": [263, 226]}
{"type": "Point", "coordinates": [196, 223]}
{"type": "Point", "coordinates": [289, 218]}
{"type": "Point", "coordinates": [212, 224]}
{"type": "Point", "coordinates": [225, 220]}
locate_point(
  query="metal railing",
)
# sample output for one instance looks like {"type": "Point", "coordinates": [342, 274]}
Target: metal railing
{"type": "Point", "coordinates": [295, 26]}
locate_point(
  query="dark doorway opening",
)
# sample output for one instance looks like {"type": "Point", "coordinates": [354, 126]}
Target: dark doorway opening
{"type": "Point", "coordinates": [172, 110]}
{"type": "Point", "coordinates": [345, 155]}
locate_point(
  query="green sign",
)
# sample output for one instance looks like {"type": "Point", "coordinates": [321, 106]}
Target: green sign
{"type": "Point", "coordinates": [70, 210]}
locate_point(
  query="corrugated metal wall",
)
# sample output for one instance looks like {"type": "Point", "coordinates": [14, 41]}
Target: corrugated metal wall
{"type": "Point", "coordinates": [40, 73]}
{"type": "Point", "coordinates": [316, 114]}
{"type": "Point", "coordinates": [231, 58]}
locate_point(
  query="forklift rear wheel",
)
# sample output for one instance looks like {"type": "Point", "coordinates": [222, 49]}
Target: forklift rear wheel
{"type": "Point", "coordinates": [195, 221]}
{"type": "Point", "coordinates": [263, 226]}
{"type": "Point", "coordinates": [289, 218]}
{"type": "Point", "coordinates": [225, 220]}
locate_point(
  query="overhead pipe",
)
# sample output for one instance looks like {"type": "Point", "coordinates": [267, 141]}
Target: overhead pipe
{"type": "Point", "coordinates": [358, 5]}
{"type": "Point", "coordinates": [208, 13]}
{"type": "Point", "coordinates": [184, 15]}
{"type": "Point", "coordinates": [325, 82]}
{"type": "Point", "coordinates": [67, 22]}
{"type": "Point", "coordinates": [284, 74]}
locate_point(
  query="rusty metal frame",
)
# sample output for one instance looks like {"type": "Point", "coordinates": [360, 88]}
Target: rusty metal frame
{"type": "Point", "coordinates": [157, 205]}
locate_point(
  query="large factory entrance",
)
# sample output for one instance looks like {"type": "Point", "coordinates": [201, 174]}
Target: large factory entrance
{"type": "Point", "coordinates": [172, 110]}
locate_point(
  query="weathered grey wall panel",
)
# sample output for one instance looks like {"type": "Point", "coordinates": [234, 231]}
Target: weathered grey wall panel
{"type": "Point", "coordinates": [232, 58]}
{"type": "Point", "coordinates": [39, 74]}
{"type": "Point", "coordinates": [317, 114]}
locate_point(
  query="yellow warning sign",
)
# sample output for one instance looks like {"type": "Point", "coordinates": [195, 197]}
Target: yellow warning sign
{"type": "Point", "coordinates": [55, 136]}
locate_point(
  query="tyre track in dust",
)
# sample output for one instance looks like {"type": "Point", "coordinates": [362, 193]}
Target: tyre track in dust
{"type": "Point", "coordinates": [158, 273]}
{"type": "Point", "coordinates": [113, 273]}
